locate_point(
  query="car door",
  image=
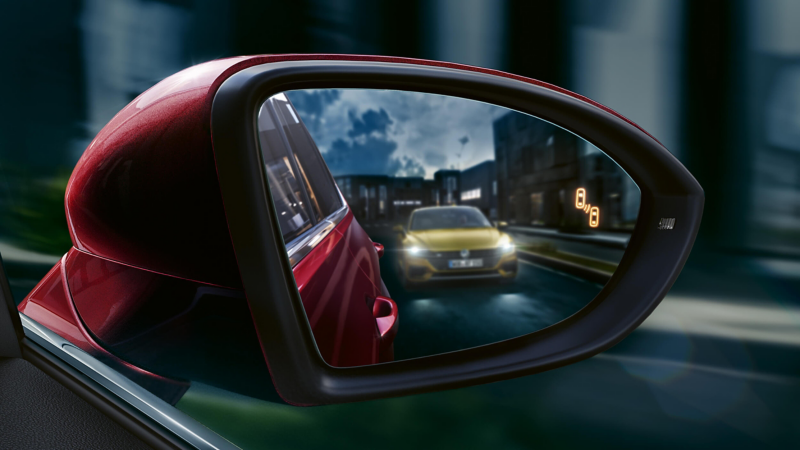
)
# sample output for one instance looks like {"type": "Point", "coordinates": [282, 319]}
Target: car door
{"type": "Point", "coordinates": [339, 278]}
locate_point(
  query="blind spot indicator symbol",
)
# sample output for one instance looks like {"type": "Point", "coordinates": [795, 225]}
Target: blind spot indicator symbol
{"type": "Point", "coordinates": [666, 223]}
{"type": "Point", "coordinates": [580, 198]}
{"type": "Point", "coordinates": [593, 211]}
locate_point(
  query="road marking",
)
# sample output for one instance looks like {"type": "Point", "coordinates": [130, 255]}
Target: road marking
{"type": "Point", "coordinates": [604, 261]}
{"type": "Point", "coordinates": [553, 271]}
{"type": "Point", "coordinates": [537, 265]}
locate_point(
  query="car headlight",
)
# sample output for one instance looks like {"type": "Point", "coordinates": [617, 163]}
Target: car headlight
{"type": "Point", "coordinates": [415, 251]}
{"type": "Point", "coordinates": [508, 247]}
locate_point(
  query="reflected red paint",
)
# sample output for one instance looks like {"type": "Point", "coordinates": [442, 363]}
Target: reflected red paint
{"type": "Point", "coordinates": [338, 296]}
{"type": "Point", "coordinates": [363, 252]}
{"type": "Point", "coordinates": [379, 249]}
{"type": "Point", "coordinates": [386, 316]}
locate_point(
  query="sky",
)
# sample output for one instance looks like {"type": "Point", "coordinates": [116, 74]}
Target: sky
{"type": "Point", "coordinates": [384, 132]}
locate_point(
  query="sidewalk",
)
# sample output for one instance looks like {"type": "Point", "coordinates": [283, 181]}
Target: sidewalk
{"type": "Point", "coordinates": [587, 273]}
{"type": "Point", "coordinates": [601, 238]}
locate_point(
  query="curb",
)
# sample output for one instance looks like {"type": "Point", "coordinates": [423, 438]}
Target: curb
{"type": "Point", "coordinates": [593, 275]}
{"type": "Point", "coordinates": [603, 242]}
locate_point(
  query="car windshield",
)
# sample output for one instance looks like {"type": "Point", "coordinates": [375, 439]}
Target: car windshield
{"type": "Point", "coordinates": [442, 218]}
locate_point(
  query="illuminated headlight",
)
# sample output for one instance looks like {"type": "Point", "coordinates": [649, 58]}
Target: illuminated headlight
{"type": "Point", "coordinates": [415, 250]}
{"type": "Point", "coordinates": [508, 247]}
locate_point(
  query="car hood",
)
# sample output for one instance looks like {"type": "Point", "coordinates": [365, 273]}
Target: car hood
{"type": "Point", "coordinates": [457, 239]}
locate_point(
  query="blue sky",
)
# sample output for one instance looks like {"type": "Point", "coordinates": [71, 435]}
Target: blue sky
{"type": "Point", "coordinates": [361, 131]}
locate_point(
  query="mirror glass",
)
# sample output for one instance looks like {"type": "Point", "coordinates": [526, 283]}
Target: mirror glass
{"type": "Point", "coordinates": [419, 224]}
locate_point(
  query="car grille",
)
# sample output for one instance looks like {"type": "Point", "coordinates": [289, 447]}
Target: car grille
{"type": "Point", "coordinates": [439, 260]}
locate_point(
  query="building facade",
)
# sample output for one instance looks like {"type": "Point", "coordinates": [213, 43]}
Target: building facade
{"type": "Point", "coordinates": [374, 198]}
{"type": "Point", "coordinates": [479, 188]}
{"type": "Point", "coordinates": [540, 167]}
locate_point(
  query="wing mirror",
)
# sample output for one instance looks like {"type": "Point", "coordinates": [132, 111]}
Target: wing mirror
{"type": "Point", "coordinates": [443, 246]}
{"type": "Point", "coordinates": [266, 208]}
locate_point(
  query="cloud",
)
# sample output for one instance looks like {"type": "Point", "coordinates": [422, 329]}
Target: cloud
{"type": "Point", "coordinates": [409, 167]}
{"type": "Point", "coordinates": [366, 131]}
{"type": "Point", "coordinates": [370, 156]}
{"type": "Point", "coordinates": [371, 122]}
{"type": "Point", "coordinates": [434, 158]}
{"type": "Point", "coordinates": [311, 105]}
{"type": "Point", "coordinates": [313, 102]}
{"type": "Point", "coordinates": [368, 147]}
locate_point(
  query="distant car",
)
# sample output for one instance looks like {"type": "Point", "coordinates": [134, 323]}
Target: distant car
{"type": "Point", "coordinates": [454, 242]}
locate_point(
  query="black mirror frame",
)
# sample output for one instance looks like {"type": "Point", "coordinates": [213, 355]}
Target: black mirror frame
{"type": "Point", "coordinates": [645, 274]}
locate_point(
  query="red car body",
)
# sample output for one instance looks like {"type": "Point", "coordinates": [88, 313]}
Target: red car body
{"type": "Point", "coordinates": [151, 247]}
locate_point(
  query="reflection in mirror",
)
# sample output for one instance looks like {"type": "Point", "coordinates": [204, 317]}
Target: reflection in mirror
{"type": "Point", "coordinates": [455, 223]}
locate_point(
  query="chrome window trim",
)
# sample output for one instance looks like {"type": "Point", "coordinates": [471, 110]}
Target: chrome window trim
{"type": "Point", "coordinates": [176, 421]}
{"type": "Point", "coordinates": [299, 247]}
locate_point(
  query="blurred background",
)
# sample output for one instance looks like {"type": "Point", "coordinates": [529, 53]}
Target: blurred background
{"type": "Point", "coordinates": [718, 82]}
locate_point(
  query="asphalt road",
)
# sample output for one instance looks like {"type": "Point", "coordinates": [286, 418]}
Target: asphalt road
{"type": "Point", "coordinates": [443, 317]}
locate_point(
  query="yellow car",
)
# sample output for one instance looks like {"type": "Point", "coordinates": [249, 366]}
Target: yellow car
{"type": "Point", "coordinates": [454, 242]}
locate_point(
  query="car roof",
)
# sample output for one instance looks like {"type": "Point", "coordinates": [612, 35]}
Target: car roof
{"type": "Point", "coordinates": [446, 207]}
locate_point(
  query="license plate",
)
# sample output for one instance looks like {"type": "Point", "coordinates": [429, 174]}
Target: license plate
{"type": "Point", "coordinates": [465, 263]}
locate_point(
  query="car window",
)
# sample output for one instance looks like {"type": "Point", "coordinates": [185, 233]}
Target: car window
{"type": "Point", "coordinates": [444, 218]}
{"type": "Point", "coordinates": [290, 196]}
{"type": "Point", "coordinates": [322, 189]}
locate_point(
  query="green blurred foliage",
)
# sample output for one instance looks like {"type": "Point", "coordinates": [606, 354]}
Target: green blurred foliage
{"type": "Point", "coordinates": [32, 209]}
{"type": "Point", "coordinates": [484, 417]}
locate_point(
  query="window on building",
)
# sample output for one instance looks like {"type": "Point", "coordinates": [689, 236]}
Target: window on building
{"type": "Point", "coordinates": [472, 194]}
{"type": "Point", "coordinates": [382, 199]}
{"type": "Point", "coordinates": [537, 208]}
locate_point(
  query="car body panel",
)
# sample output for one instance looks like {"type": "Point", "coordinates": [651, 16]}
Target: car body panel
{"type": "Point", "coordinates": [50, 304]}
{"type": "Point", "coordinates": [330, 279]}
{"type": "Point", "coordinates": [454, 239]}
{"type": "Point", "coordinates": [145, 191]}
